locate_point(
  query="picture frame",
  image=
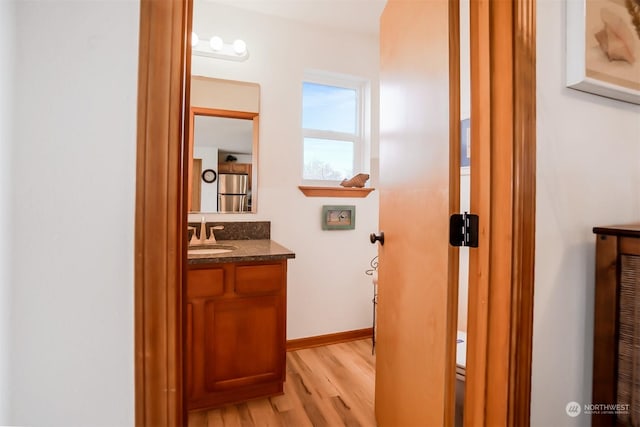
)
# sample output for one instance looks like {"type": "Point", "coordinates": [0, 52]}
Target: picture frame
{"type": "Point", "coordinates": [465, 146]}
{"type": "Point", "coordinates": [338, 217]}
{"type": "Point", "coordinates": [603, 48]}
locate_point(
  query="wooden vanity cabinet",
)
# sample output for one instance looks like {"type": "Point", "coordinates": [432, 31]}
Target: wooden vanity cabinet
{"type": "Point", "coordinates": [616, 323]}
{"type": "Point", "coordinates": [235, 332]}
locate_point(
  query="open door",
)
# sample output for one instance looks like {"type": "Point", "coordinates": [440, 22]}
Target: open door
{"type": "Point", "coordinates": [415, 366]}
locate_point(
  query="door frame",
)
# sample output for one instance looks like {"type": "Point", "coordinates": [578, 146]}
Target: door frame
{"type": "Point", "coordinates": [504, 175]}
{"type": "Point", "coordinates": [160, 247]}
{"type": "Point", "coordinates": [503, 185]}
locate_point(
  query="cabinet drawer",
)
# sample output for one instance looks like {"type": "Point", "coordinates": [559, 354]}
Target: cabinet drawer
{"type": "Point", "coordinates": [259, 279]}
{"type": "Point", "coordinates": [205, 283]}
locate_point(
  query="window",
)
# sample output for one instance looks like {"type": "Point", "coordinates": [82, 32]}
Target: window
{"type": "Point", "coordinates": [332, 128]}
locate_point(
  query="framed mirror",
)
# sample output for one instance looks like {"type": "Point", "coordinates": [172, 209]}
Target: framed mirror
{"type": "Point", "coordinates": [223, 146]}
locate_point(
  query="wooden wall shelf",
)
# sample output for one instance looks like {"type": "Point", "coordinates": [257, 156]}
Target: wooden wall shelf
{"type": "Point", "coordinates": [310, 191]}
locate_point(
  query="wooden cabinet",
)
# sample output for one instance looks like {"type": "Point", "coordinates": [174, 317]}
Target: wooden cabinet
{"type": "Point", "coordinates": [616, 325]}
{"type": "Point", "coordinates": [233, 167]}
{"type": "Point", "coordinates": [235, 333]}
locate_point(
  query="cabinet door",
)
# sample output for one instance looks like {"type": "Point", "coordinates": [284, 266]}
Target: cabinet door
{"type": "Point", "coordinates": [244, 342]}
{"type": "Point", "coordinates": [203, 287]}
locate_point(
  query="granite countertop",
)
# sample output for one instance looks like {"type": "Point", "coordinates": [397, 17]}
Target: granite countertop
{"type": "Point", "coordinates": [248, 250]}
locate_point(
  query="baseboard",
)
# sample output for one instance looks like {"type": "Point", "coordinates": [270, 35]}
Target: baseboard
{"type": "Point", "coordinates": [338, 337]}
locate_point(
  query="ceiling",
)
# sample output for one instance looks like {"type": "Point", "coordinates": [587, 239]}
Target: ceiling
{"type": "Point", "coordinates": [360, 16]}
{"type": "Point", "coordinates": [225, 134]}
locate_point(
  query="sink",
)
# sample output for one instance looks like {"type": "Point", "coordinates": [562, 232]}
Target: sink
{"type": "Point", "coordinates": [210, 249]}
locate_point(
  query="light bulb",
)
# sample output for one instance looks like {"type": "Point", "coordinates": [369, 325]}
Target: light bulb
{"type": "Point", "coordinates": [239, 47]}
{"type": "Point", "coordinates": [216, 43]}
{"type": "Point", "coordinates": [194, 39]}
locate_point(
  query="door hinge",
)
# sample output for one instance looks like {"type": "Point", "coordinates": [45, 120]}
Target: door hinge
{"type": "Point", "coordinates": [463, 230]}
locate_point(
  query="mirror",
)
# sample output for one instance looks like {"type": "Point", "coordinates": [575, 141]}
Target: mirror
{"type": "Point", "coordinates": [223, 146]}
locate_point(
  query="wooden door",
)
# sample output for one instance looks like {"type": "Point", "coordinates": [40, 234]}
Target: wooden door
{"type": "Point", "coordinates": [196, 187]}
{"type": "Point", "coordinates": [415, 366]}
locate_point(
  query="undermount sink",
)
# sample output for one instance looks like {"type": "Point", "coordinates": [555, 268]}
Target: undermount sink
{"type": "Point", "coordinates": [211, 249]}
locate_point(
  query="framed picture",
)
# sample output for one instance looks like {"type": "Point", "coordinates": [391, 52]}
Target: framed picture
{"type": "Point", "coordinates": [338, 217]}
{"type": "Point", "coordinates": [465, 146]}
{"type": "Point", "coordinates": [603, 48]}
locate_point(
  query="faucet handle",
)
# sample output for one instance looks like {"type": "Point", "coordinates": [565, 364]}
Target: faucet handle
{"type": "Point", "coordinates": [193, 237]}
{"type": "Point", "coordinates": [212, 236]}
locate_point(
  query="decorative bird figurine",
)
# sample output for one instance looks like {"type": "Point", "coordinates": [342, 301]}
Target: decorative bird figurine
{"type": "Point", "coordinates": [357, 181]}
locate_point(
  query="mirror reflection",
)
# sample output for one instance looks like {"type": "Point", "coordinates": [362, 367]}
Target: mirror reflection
{"type": "Point", "coordinates": [223, 146]}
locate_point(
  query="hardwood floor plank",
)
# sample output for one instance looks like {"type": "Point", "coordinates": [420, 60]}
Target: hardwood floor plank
{"type": "Point", "coordinates": [320, 371]}
{"type": "Point", "coordinates": [281, 403]}
{"type": "Point", "coordinates": [328, 386]}
{"type": "Point", "coordinates": [214, 418]}
{"type": "Point", "coordinates": [246, 420]}
{"type": "Point", "coordinates": [296, 417]}
{"type": "Point", "coordinates": [357, 395]}
{"type": "Point", "coordinates": [231, 416]}
{"type": "Point", "coordinates": [312, 402]}
{"type": "Point", "coordinates": [344, 410]}
{"type": "Point", "coordinates": [198, 419]}
{"type": "Point", "coordinates": [295, 414]}
{"type": "Point", "coordinates": [263, 413]}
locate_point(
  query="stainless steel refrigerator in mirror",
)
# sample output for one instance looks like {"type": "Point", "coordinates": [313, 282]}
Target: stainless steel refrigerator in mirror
{"type": "Point", "coordinates": [232, 192]}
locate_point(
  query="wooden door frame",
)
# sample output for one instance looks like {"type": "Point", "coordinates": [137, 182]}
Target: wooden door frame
{"type": "Point", "coordinates": [503, 182]}
{"type": "Point", "coordinates": [161, 211]}
{"type": "Point", "coordinates": [501, 269]}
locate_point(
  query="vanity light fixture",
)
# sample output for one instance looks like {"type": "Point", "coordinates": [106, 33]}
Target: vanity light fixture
{"type": "Point", "coordinates": [239, 47]}
{"type": "Point", "coordinates": [217, 48]}
{"type": "Point", "coordinates": [216, 43]}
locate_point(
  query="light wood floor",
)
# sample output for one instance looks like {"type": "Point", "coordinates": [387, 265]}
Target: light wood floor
{"type": "Point", "coordinates": [326, 386]}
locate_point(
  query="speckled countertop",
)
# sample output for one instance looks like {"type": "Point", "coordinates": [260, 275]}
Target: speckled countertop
{"type": "Point", "coordinates": [247, 250]}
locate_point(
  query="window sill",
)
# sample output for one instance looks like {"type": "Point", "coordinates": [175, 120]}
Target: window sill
{"type": "Point", "coordinates": [311, 191]}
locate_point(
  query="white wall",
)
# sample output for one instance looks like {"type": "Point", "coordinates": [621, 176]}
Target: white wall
{"type": "Point", "coordinates": [587, 175]}
{"type": "Point", "coordinates": [7, 17]}
{"type": "Point", "coordinates": [73, 213]}
{"type": "Point", "coordinates": [327, 290]}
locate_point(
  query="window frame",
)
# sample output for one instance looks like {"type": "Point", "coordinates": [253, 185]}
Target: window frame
{"type": "Point", "coordinates": [361, 137]}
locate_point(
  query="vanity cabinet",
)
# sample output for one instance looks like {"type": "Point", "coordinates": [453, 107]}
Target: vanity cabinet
{"type": "Point", "coordinates": [617, 325]}
{"type": "Point", "coordinates": [235, 331]}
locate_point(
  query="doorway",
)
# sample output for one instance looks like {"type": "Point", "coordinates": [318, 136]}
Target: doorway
{"type": "Point", "coordinates": [506, 88]}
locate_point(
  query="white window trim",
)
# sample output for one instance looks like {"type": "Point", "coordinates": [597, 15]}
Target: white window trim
{"type": "Point", "coordinates": [361, 139]}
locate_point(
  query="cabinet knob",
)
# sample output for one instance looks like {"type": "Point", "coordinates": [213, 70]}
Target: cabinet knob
{"type": "Point", "coordinates": [373, 237]}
